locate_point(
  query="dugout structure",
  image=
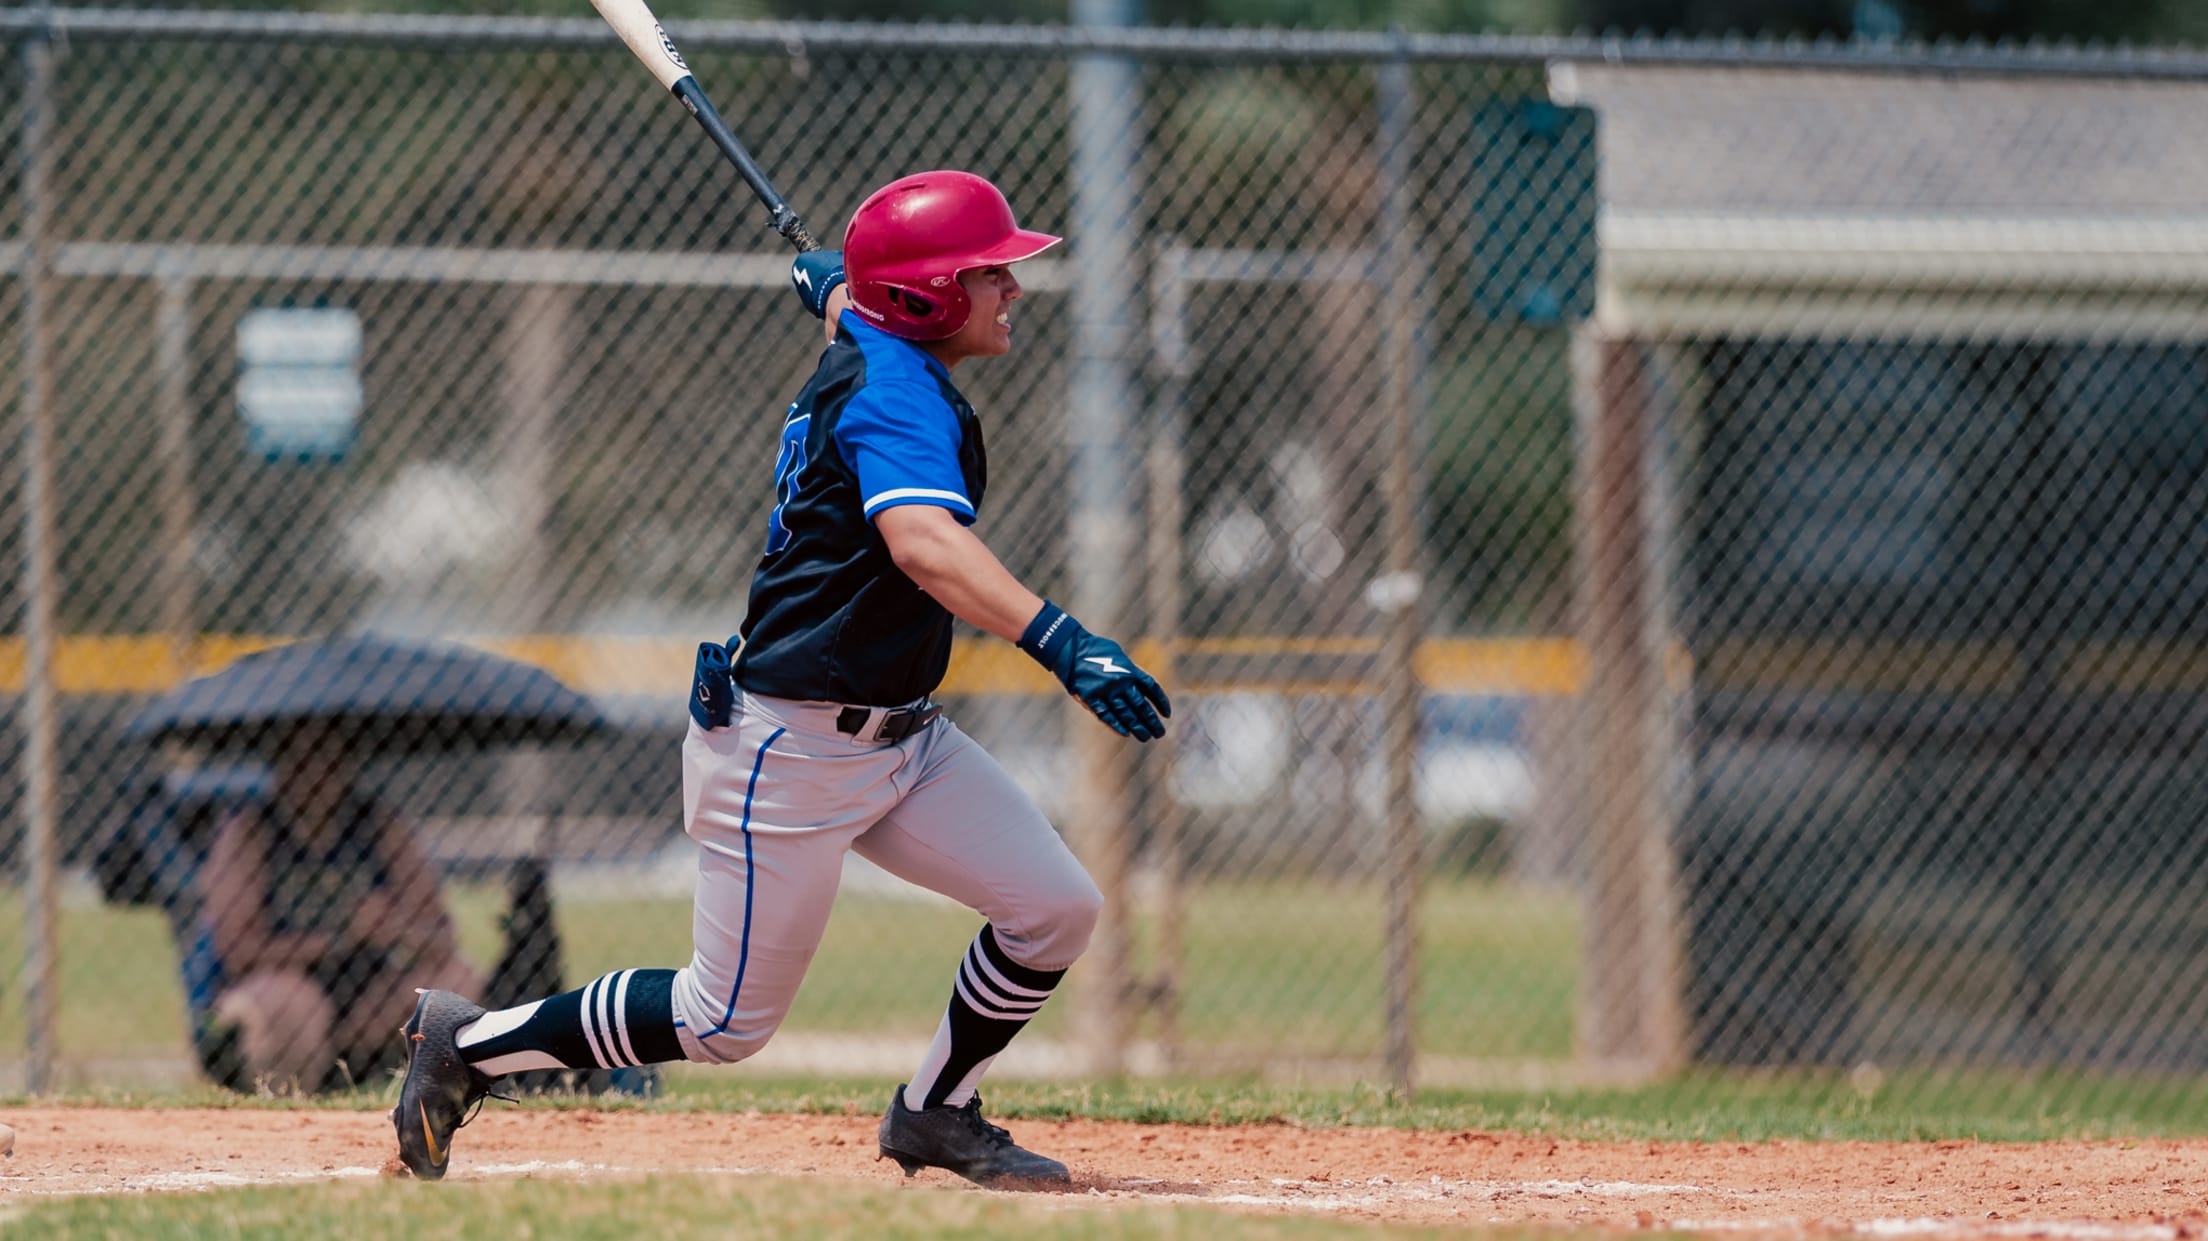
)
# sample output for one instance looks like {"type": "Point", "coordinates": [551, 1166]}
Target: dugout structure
{"type": "Point", "coordinates": [1897, 398]}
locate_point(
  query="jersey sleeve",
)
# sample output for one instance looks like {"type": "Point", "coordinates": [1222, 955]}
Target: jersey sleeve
{"type": "Point", "coordinates": [902, 441]}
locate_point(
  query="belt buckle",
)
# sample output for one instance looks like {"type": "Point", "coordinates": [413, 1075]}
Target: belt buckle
{"type": "Point", "coordinates": [890, 724]}
{"type": "Point", "coordinates": [902, 722]}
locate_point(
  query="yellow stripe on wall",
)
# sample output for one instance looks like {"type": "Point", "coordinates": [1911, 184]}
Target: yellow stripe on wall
{"type": "Point", "coordinates": [141, 664]}
{"type": "Point", "coordinates": [1502, 665]}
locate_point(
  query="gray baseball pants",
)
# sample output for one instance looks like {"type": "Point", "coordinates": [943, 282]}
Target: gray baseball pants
{"type": "Point", "coordinates": [774, 799]}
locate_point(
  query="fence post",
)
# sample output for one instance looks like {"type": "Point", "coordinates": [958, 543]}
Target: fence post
{"type": "Point", "coordinates": [41, 746]}
{"type": "Point", "coordinates": [1103, 484]}
{"type": "Point", "coordinates": [173, 361]}
{"type": "Point", "coordinates": [1396, 592]}
{"type": "Point", "coordinates": [537, 340]}
{"type": "Point", "coordinates": [1167, 458]}
{"type": "Point", "coordinates": [538, 337]}
{"type": "Point", "coordinates": [1632, 1014]}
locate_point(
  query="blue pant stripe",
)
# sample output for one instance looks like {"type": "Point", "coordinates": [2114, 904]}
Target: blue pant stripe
{"type": "Point", "coordinates": [751, 886]}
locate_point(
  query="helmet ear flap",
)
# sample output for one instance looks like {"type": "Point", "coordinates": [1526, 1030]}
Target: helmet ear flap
{"type": "Point", "coordinates": [930, 315]}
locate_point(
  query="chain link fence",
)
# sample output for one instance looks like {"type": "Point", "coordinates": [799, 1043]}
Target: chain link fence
{"type": "Point", "coordinates": [1663, 553]}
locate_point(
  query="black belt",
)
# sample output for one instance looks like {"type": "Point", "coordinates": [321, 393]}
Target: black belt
{"type": "Point", "coordinates": [877, 724]}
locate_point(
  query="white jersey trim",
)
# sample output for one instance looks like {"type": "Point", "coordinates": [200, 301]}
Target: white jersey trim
{"type": "Point", "coordinates": [915, 493]}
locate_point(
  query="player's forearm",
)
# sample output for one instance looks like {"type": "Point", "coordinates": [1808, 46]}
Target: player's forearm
{"type": "Point", "coordinates": [836, 302]}
{"type": "Point", "coordinates": [958, 571]}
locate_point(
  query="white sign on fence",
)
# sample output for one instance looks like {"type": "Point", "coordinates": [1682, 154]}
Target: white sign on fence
{"type": "Point", "coordinates": [299, 386]}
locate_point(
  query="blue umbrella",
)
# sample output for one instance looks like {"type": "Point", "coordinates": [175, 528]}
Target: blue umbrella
{"type": "Point", "coordinates": [383, 695]}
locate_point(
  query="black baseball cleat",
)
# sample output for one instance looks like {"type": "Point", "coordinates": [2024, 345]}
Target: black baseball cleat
{"type": "Point", "coordinates": [958, 1140]}
{"type": "Point", "coordinates": [439, 1087]}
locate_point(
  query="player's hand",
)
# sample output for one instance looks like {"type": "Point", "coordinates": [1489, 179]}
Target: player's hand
{"type": "Point", "coordinates": [1121, 694]}
{"type": "Point", "coordinates": [815, 275]}
{"type": "Point", "coordinates": [1098, 672]}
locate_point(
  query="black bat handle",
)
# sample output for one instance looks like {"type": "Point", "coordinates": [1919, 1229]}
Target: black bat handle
{"type": "Point", "coordinates": [785, 221]}
{"type": "Point", "coordinates": [794, 231]}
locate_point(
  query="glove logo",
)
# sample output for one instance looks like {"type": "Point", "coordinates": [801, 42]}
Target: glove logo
{"type": "Point", "coordinates": [1105, 662]}
{"type": "Point", "coordinates": [804, 279]}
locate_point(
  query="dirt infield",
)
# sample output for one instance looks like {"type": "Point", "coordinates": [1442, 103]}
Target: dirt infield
{"type": "Point", "coordinates": [2099, 1191]}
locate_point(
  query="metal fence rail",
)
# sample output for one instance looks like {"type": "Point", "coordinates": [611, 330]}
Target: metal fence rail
{"type": "Point", "coordinates": [1666, 551]}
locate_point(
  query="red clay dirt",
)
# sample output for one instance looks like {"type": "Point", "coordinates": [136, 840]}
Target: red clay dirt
{"type": "Point", "coordinates": [2094, 1191]}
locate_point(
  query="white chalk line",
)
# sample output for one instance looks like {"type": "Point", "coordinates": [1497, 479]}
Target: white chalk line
{"type": "Point", "coordinates": [1349, 1195]}
{"type": "Point", "coordinates": [171, 1182]}
{"type": "Point", "coordinates": [187, 1182]}
{"type": "Point", "coordinates": [1305, 1195]}
{"type": "Point", "coordinates": [1928, 1226]}
{"type": "Point", "coordinates": [1312, 1195]}
{"type": "Point", "coordinates": [1308, 1195]}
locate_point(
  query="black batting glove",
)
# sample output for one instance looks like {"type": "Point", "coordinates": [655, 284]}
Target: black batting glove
{"type": "Point", "coordinates": [1097, 671]}
{"type": "Point", "coordinates": [815, 274]}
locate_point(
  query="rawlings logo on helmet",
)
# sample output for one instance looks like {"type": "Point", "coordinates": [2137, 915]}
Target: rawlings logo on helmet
{"type": "Point", "coordinates": [909, 240]}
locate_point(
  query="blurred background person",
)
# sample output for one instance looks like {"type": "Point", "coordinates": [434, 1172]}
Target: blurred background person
{"type": "Point", "coordinates": [327, 916]}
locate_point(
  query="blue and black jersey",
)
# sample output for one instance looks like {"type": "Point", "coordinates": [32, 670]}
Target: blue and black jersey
{"type": "Point", "coordinates": [831, 617]}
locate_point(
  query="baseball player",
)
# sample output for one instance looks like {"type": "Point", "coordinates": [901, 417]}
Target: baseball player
{"type": "Point", "coordinates": [815, 735]}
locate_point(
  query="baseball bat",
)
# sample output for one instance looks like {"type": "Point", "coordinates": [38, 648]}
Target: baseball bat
{"type": "Point", "coordinates": [633, 21]}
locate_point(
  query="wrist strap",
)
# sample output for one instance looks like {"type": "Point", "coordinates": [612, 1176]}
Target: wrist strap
{"type": "Point", "coordinates": [1048, 633]}
{"type": "Point", "coordinates": [815, 293]}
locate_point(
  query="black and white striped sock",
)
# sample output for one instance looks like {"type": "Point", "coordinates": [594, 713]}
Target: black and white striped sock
{"type": "Point", "coordinates": [992, 1000]}
{"type": "Point", "coordinates": [623, 1019]}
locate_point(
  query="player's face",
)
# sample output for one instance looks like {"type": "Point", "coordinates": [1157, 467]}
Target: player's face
{"type": "Point", "coordinates": [988, 329]}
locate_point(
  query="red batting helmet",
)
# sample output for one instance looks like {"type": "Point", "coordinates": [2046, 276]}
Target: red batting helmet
{"type": "Point", "coordinates": [909, 240]}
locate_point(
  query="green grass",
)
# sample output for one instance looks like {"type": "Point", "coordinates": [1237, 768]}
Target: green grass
{"type": "Point", "coordinates": [1274, 969]}
{"type": "Point", "coordinates": [1299, 966]}
{"type": "Point", "coordinates": [670, 1207]}
{"type": "Point", "coordinates": [1275, 966]}
{"type": "Point", "coordinates": [1702, 1106]}
{"type": "Point", "coordinates": [1277, 972]}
